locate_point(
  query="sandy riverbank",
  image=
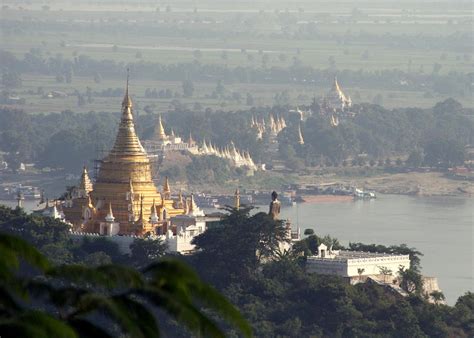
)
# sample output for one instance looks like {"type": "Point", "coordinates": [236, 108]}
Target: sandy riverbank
{"type": "Point", "coordinates": [423, 184]}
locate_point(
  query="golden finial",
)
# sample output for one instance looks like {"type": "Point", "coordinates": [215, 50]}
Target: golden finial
{"type": "Point", "coordinates": [127, 101]}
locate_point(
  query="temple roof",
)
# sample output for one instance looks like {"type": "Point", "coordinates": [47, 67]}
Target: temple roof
{"type": "Point", "coordinates": [127, 142]}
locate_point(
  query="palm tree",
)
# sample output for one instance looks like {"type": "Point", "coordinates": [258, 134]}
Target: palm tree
{"type": "Point", "coordinates": [410, 280]}
{"type": "Point", "coordinates": [385, 272]}
{"type": "Point", "coordinates": [437, 296]}
{"type": "Point", "coordinates": [104, 301]}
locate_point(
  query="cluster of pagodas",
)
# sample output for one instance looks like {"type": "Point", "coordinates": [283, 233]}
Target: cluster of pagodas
{"type": "Point", "coordinates": [236, 157]}
{"type": "Point", "coordinates": [274, 125]}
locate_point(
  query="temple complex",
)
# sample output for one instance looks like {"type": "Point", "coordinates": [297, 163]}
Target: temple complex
{"type": "Point", "coordinates": [236, 157]}
{"type": "Point", "coordinates": [272, 126]}
{"type": "Point", "coordinates": [123, 199]}
{"type": "Point", "coordinates": [161, 143]}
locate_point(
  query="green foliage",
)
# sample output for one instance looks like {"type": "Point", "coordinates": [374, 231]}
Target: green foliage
{"type": "Point", "coordinates": [145, 251]}
{"type": "Point", "coordinates": [241, 257]}
{"type": "Point", "coordinates": [188, 88]}
{"type": "Point", "coordinates": [309, 245]}
{"type": "Point", "coordinates": [105, 301]}
{"type": "Point", "coordinates": [66, 139]}
{"type": "Point", "coordinates": [411, 280]}
{"type": "Point", "coordinates": [232, 251]}
{"type": "Point", "coordinates": [210, 169]}
{"type": "Point", "coordinates": [415, 159]}
{"type": "Point", "coordinates": [444, 153]}
{"type": "Point", "coordinates": [53, 239]}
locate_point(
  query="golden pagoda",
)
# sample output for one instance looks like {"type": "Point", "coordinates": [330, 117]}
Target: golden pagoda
{"type": "Point", "coordinates": [124, 183]}
{"type": "Point", "coordinates": [159, 133]}
{"type": "Point", "coordinates": [336, 99]}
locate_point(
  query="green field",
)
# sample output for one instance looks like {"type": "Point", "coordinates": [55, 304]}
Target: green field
{"type": "Point", "coordinates": [263, 95]}
{"type": "Point", "coordinates": [369, 35]}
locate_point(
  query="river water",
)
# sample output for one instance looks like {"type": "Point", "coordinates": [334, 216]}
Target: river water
{"type": "Point", "coordinates": [440, 227]}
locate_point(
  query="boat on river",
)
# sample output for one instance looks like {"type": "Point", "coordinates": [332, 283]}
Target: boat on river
{"type": "Point", "coordinates": [364, 194]}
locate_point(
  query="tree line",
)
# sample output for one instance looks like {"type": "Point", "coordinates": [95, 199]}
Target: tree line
{"type": "Point", "coordinates": [434, 137]}
{"type": "Point", "coordinates": [35, 61]}
{"type": "Point", "coordinates": [240, 258]}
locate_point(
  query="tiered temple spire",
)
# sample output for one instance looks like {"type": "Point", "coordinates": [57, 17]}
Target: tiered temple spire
{"type": "Point", "coordinates": [124, 183]}
{"type": "Point", "coordinates": [160, 130]}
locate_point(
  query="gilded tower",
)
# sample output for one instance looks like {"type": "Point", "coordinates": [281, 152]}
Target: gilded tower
{"type": "Point", "coordinates": [124, 184]}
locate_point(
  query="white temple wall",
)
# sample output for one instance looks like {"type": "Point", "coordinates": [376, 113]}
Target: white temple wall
{"type": "Point", "coordinates": [350, 267]}
{"type": "Point", "coordinates": [372, 266]}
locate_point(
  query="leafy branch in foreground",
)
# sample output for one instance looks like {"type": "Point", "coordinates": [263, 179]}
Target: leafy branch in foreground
{"type": "Point", "coordinates": [37, 300]}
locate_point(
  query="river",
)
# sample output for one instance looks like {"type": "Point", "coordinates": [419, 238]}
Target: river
{"type": "Point", "coordinates": [440, 227]}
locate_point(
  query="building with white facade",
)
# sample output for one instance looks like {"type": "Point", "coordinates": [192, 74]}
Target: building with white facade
{"type": "Point", "coordinates": [350, 264]}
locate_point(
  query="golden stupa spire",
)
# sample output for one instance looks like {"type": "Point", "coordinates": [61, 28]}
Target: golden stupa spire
{"type": "Point", "coordinates": [127, 101]}
{"type": "Point", "coordinates": [337, 89]}
{"type": "Point", "coordinates": [127, 142]}
{"type": "Point", "coordinates": [160, 130]}
{"type": "Point", "coordinates": [300, 136]}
